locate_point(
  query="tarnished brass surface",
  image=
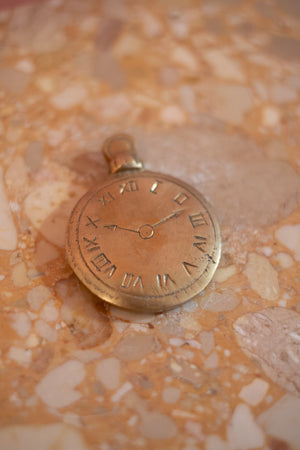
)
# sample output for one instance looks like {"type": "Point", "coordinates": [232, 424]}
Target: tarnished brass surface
{"type": "Point", "coordinates": [120, 152]}
{"type": "Point", "coordinates": [144, 241]}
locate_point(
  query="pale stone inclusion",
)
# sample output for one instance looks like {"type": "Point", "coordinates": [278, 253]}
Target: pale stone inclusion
{"type": "Point", "coordinates": [271, 337]}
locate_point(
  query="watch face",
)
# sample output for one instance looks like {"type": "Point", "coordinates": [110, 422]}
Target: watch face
{"type": "Point", "coordinates": [144, 241]}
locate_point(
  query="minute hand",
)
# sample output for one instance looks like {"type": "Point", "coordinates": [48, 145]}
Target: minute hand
{"type": "Point", "coordinates": [170, 216]}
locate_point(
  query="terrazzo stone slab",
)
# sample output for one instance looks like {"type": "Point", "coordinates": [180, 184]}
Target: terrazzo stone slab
{"type": "Point", "coordinates": [8, 234]}
{"type": "Point", "coordinates": [210, 92]}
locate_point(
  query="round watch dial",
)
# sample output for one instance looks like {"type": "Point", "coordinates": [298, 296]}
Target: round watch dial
{"type": "Point", "coordinates": [144, 241]}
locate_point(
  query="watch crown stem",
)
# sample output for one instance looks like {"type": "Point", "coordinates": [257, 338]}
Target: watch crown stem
{"type": "Point", "coordinates": [120, 152]}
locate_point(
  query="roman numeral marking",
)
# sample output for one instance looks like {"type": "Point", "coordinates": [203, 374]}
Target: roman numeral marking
{"type": "Point", "coordinates": [130, 280]}
{"type": "Point", "coordinates": [103, 264]}
{"type": "Point", "coordinates": [110, 271]}
{"type": "Point", "coordinates": [188, 267]}
{"type": "Point", "coordinates": [180, 198]}
{"type": "Point", "coordinates": [164, 280]}
{"type": "Point", "coordinates": [91, 244]}
{"type": "Point", "coordinates": [106, 198]}
{"type": "Point", "coordinates": [210, 258]}
{"type": "Point", "coordinates": [129, 186]}
{"type": "Point", "coordinates": [92, 222]}
{"type": "Point", "coordinates": [154, 186]}
{"type": "Point", "coordinates": [100, 261]}
{"type": "Point", "coordinates": [197, 220]}
{"type": "Point", "coordinates": [202, 241]}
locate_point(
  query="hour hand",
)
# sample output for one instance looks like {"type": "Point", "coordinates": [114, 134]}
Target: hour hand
{"type": "Point", "coordinates": [170, 216]}
{"type": "Point", "coordinates": [117, 227]}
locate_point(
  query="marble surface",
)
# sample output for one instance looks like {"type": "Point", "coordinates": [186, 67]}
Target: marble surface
{"type": "Point", "coordinates": [210, 91]}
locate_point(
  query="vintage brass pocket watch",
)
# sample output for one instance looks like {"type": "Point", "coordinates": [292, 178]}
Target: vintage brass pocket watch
{"type": "Point", "coordinates": [142, 240]}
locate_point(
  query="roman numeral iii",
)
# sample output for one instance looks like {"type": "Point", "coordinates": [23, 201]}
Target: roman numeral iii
{"type": "Point", "coordinates": [197, 220]}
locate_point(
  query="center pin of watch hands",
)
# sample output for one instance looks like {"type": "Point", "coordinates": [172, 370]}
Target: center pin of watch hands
{"type": "Point", "coordinates": [146, 231]}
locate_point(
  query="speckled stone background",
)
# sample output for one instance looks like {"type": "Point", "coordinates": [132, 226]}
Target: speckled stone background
{"type": "Point", "coordinates": [210, 91]}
